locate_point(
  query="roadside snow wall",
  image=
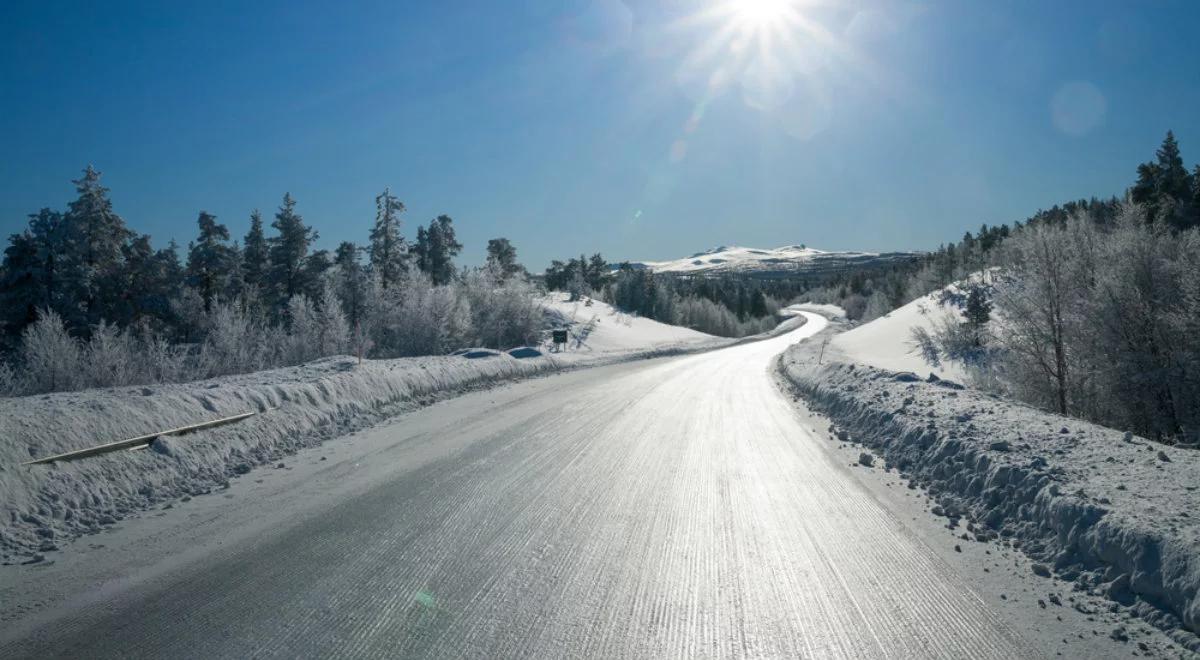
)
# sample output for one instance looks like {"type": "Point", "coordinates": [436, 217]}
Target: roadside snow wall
{"type": "Point", "coordinates": [1114, 514]}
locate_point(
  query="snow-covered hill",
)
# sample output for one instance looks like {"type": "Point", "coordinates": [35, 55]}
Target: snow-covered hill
{"type": "Point", "coordinates": [887, 341]}
{"type": "Point", "coordinates": [787, 260]}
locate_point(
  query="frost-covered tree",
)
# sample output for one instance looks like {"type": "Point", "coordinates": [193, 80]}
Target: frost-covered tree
{"type": "Point", "coordinates": [436, 248]}
{"type": "Point", "coordinates": [92, 260]}
{"type": "Point", "coordinates": [212, 261]}
{"type": "Point", "coordinates": [388, 251]}
{"type": "Point", "coordinates": [1046, 282]}
{"type": "Point", "coordinates": [288, 250]}
{"type": "Point", "coordinates": [502, 258]}
{"type": "Point", "coordinates": [350, 281]}
{"type": "Point", "coordinates": [255, 254]}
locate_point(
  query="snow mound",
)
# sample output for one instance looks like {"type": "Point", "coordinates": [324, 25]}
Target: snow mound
{"type": "Point", "coordinates": [601, 328]}
{"type": "Point", "coordinates": [1089, 504]}
{"type": "Point", "coordinates": [887, 343]}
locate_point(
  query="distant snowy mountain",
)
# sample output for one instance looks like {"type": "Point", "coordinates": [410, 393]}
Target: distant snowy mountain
{"type": "Point", "coordinates": [778, 262]}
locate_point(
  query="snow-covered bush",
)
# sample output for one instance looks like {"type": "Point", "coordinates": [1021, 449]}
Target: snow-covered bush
{"type": "Point", "coordinates": [50, 357]}
{"type": "Point", "coordinates": [504, 313]}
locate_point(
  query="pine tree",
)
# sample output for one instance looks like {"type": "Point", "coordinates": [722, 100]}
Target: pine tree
{"type": "Point", "coordinates": [95, 236]}
{"type": "Point", "coordinates": [211, 260]}
{"type": "Point", "coordinates": [441, 246]}
{"type": "Point", "coordinates": [502, 258]}
{"type": "Point", "coordinates": [316, 266]}
{"type": "Point", "coordinates": [597, 271]}
{"type": "Point", "coordinates": [29, 275]}
{"type": "Point", "coordinates": [350, 283]}
{"type": "Point", "coordinates": [287, 253]}
{"type": "Point", "coordinates": [389, 253]}
{"type": "Point", "coordinates": [1164, 187]}
{"type": "Point", "coordinates": [254, 254]}
{"type": "Point", "coordinates": [421, 250]}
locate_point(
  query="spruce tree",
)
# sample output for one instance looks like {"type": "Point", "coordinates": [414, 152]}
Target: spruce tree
{"type": "Point", "coordinates": [95, 236]}
{"type": "Point", "coordinates": [211, 260]}
{"type": "Point", "coordinates": [350, 283]}
{"type": "Point", "coordinates": [502, 257]}
{"type": "Point", "coordinates": [421, 250]}
{"type": "Point", "coordinates": [288, 250]}
{"type": "Point", "coordinates": [389, 253]}
{"type": "Point", "coordinates": [254, 254]}
{"type": "Point", "coordinates": [441, 248]}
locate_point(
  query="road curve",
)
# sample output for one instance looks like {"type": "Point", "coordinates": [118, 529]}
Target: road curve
{"type": "Point", "coordinates": [677, 508]}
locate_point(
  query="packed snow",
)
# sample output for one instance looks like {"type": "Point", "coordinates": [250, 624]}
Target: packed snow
{"type": "Point", "coordinates": [1097, 510]}
{"type": "Point", "coordinates": [887, 341]}
{"type": "Point", "coordinates": [789, 258]}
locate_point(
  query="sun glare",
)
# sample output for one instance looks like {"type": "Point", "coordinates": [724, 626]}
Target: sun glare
{"type": "Point", "coordinates": [761, 13]}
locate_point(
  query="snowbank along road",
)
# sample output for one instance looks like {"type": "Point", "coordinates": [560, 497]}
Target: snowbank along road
{"type": "Point", "coordinates": [669, 508]}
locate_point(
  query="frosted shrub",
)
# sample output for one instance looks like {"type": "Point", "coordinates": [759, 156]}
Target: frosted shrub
{"type": "Point", "coordinates": [304, 332]}
{"type": "Point", "coordinates": [110, 357]}
{"type": "Point", "coordinates": [9, 384]}
{"type": "Point", "coordinates": [332, 329]}
{"type": "Point", "coordinates": [503, 312]}
{"type": "Point", "coordinates": [50, 357]}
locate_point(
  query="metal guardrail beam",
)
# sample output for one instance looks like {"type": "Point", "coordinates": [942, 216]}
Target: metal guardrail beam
{"type": "Point", "coordinates": [140, 440]}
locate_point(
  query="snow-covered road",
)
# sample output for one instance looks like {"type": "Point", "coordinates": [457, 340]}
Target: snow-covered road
{"type": "Point", "coordinates": [678, 507]}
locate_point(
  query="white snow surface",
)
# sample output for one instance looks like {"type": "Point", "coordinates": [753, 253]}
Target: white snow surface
{"type": "Point", "coordinates": [824, 309]}
{"type": "Point", "coordinates": [733, 256]}
{"type": "Point", "coordinates": [1109, 513]}
{"type": "Point", "coordinates": [887, 342]}
{"type": "Point", "coordinates": [597, 327]}
{"type": "Point", "coordinates": [43, 505]}
{"type": "Point", "coordinates": [789, 258]}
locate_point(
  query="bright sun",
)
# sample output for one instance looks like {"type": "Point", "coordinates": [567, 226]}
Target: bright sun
{"type": "Point", "coordinates": [761, 13]}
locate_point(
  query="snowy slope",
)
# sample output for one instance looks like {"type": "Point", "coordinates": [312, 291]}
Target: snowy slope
{"type": "Point", "coordinates": [789, 259]}
{"type": "Point", "coordinates": [601, 328]}
{"type": "Point", "coordinates": [887, 342]}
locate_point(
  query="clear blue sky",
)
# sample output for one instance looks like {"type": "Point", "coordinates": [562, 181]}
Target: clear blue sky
{"type": "Point", "coordinates": [637, 129]}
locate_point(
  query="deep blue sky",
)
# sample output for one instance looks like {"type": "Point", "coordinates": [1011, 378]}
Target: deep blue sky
{"type": "Point", "coordinates": [638, 129]}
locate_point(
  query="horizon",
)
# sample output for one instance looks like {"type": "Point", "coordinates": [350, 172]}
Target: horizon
{"type": "Point", "coordinates": [600, 125]}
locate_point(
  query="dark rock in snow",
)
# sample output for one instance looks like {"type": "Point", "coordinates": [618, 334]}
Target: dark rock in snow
{"type": "Point", "coordinates": [1162, 456]}
{"type": "Point", "coordinates": [1041, 570]}
{"type": "Point", "coordinates": [866, 460]}
{"type": "Point", "coordinates": [907, 377]}
{"type": "Point", "coordinates": [1000, 445]}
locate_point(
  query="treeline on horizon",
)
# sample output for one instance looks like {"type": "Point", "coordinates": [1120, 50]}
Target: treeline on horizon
{"type": "Point", "coordinates": [87, 302]}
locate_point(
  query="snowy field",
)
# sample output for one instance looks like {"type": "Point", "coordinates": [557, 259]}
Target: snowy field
{"type": "Point", "coordinates": [1098, 511]}
{"type": "Point", "coordinates": [41, 506]}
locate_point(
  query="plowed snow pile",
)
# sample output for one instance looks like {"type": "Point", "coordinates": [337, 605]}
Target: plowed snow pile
{"type": "Point", "coordinates": [41, 505]}
{"type": "Point", "coordinates": [1112, 514]}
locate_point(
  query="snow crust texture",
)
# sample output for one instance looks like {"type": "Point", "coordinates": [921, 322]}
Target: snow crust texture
{"type": "Point", "coordinates": [1109, 513]}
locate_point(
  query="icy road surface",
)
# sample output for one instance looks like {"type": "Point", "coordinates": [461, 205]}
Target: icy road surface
{"type": "Point", "coordinates": [669, 508]}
